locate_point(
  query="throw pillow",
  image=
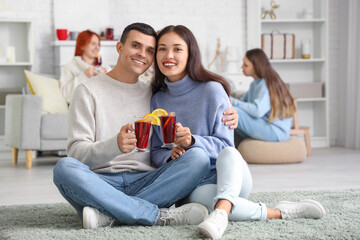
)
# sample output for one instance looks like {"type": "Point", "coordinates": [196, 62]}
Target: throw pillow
{"type": "Point", "coordinates": [49, 90]}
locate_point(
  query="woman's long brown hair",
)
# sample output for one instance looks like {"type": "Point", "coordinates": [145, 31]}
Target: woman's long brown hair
{"type": "Point", "coordinates": [282, 103]}
{"type": "Point", "coordinates": [194, 67]}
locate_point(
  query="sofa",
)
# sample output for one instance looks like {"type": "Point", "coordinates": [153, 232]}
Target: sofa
{"type": "Point", "coordinates": [27, 128]}
{"type": "Point", "coordinates": [36, 121]}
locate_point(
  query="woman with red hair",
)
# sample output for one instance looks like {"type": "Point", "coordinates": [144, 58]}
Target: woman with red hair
{"type": "Point", "coordinates": [81, 66]}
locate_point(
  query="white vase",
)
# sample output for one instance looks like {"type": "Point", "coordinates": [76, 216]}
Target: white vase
{"type": "Point", "coordinates": [306, 48]}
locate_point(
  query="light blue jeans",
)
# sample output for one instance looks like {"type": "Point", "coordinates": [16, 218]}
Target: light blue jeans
{"type": "Point", "coordinates": [232, 182]}
{"type": "Point", "coordinates": [256, 128]}
{"type": "Point", "coordinates": [131, 197]}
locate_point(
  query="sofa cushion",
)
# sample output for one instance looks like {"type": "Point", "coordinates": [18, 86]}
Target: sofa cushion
{"type": "Point", "coordinates": [53, 126]}
{"type": "Point", "coordinates": [49, 90]}
{"type": "Point", "coordinates": [255, 151]}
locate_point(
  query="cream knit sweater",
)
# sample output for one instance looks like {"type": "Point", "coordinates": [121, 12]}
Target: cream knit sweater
{"type": "Point", "coordinates": [99, 108]}
{"type": "Point", "coordinates": [72, 75]}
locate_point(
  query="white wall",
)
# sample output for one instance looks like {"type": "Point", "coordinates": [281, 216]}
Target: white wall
{"type": "Point", "coordinates": [335, 26]}
{"type": "Point", "coordinates": [208, 19]}
{"type": "Point", "coordinates": [40, 12]}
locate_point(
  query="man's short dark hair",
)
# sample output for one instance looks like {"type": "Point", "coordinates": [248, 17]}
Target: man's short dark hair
{"type": "Point", "coordinates": [141, 27]}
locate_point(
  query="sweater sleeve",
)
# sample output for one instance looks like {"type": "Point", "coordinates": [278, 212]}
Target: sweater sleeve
{"type": "Point", "coordinates": [70, 79]}
{"type": "Point", "coordinates": [245, 97]}
{"type": "Point", "coordinates": [259, 104]}
{"type": "Point", "coordinates": [82, 143]}
{"type": "Point", "coordinates": [235, 101]}
{"type": "Point", "coordinates": [221, 136]}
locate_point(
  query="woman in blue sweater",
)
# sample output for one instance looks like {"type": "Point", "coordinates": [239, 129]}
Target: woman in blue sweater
{"type": "Point", "coordinates": [198, 97]}
{"type": "Point", "coordinates": [266, 110]}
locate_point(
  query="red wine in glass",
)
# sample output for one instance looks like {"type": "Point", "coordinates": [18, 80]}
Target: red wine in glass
{"type": "Point", "coordinates": [142, 132]}
{"type": "Point", "coordinates": [168, 129]}
{"type": "Point", "coordinates": [97, 61]}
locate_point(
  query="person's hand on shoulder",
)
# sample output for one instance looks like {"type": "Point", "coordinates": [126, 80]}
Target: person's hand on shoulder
{"type": "Point", "coordinates": [90, 72]}
{"type": "Point", "coordinates": [231, 117]}
{"type": "Point", "coordinates": [126, 139]}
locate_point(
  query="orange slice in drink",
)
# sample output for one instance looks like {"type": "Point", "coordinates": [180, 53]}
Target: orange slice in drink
{"type": "Point", "coordinates": [151, 118]}
{"type": "Point", "coordinates": [167, 120]}
{"type": "Point", "coordinates": [160, 112]}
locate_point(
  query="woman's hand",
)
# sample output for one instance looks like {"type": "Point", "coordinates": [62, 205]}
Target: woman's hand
{"type": "Point", "coordinates": [183, 135]}
{"type": "Point", "coordinates": [177, 151]}
{"type": "Point", "coordinates": [90, 72]}
{"type": "Point", "coordinates": [232, 119]}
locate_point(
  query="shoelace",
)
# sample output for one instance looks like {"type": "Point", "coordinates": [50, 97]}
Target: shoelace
{"type": "Point", "coordinates": [102, 218]}
{"type": "Point", "coordinates": [174, 217]}
{"type": "Point", "coordinates": [112, 223]}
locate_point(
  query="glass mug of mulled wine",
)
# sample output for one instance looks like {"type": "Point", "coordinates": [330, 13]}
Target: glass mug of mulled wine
{"type": "Point", "coordinates": [142, 133]}
{"type": "Point", "coordinates": [168, 129]}
{"type": "Point", "coordinates": [97, 63]}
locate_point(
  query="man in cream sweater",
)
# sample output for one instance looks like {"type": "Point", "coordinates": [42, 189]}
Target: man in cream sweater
{"type": "Point", "coordinates": [103, 177]}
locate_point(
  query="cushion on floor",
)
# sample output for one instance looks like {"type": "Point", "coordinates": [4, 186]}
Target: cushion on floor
{"type": "Point", "coordinates": [256, 151]}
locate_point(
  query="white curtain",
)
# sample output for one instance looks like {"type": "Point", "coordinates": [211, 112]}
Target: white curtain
{"type": "Point", "coordinates": [352, 88]}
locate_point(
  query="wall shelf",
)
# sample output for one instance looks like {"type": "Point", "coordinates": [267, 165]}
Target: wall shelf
{"type": "Point", "coordinates": [322, 20]}
{"type": "Point", "coordinates": [16, 64]}
{"type": "Point", "coordinates": [313, 112]}
{"type": "Point", "coordinates": [298, 60]}
{"type": "Point", "coordinates": [312, 99]}
{"type": "Point", "coordinates": [64, 52]}
{"type": "Point", "coordinates": [19, 34]}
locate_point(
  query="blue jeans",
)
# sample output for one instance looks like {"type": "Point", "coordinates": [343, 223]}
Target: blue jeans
{"type": "Point", "coordinates": [131, 197]}
{"type": "Point", "coordinates": [256, 128]}
{"type": "Point", "coordinates": [232, 182]}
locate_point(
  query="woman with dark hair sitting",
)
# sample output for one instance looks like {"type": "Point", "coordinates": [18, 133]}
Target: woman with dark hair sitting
{"type": "Point", "coordinates": [199, 97]}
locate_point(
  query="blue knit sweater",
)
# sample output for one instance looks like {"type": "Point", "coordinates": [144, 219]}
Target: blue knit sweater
{"type": "Point", "coordinates": [256, 102]}
{"type": "Point", "coordinates": [198, 106]}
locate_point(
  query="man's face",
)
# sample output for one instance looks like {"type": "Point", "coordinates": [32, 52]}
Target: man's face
{"type": "Point", "coordinates": [137, 54]}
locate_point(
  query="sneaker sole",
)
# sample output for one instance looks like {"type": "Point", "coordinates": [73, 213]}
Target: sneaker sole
{"type": "Point", "coordinates": [86, 218]}
{"type": "Point", "coordinates": [316, 203]}
{"type": "Point", "coordinates": [205, 232]}
{"type": "Point", "coordinates": [204, 211]}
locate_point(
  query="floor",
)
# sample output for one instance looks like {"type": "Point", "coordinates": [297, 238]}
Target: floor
{"type": "Point", "coordinates": [327, 169]}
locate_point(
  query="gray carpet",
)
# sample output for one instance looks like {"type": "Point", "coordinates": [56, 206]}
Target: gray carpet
{"type": "Point", "coordinates": [59, 221]}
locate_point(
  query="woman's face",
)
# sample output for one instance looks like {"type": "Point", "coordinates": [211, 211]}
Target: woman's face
{"type": "Point", "coordinates": [92, 48]}
{"type": "Point", "coordinates": [248, 68]}
{"type": "Point", "coordinates": [172, 55]}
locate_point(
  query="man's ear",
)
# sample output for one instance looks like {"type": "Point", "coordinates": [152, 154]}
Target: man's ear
{"type": "Point", "coordinates": [119, 47]}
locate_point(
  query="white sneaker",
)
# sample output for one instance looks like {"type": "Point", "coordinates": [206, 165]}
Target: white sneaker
{"type": "Point", "coordinates": [92, 219]}
{"type": "Point", "coordinates": [215, 224]}
{"type": "Point", "coordinates": [192, 213]}
{"type": "Point", "coordinates": [303, 209]}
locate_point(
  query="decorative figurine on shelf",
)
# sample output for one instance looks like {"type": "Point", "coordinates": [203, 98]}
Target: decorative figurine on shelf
{"type": "Point", "coordinates": [102, 36]}
{"type": "Point", "coordinates": [218, 56]}
{"type": "Point", "coordinates": [270, 12]}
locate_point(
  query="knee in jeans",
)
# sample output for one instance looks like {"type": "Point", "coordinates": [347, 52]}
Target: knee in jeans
{"type": "Point", "coordinates": [63, 166]}
{"type": "Point", "coordinates": [205, 195]}
{"type": "Point", "coordinates": [229, 155]}
{"type": "Point", "coordinates": [202, 158]}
